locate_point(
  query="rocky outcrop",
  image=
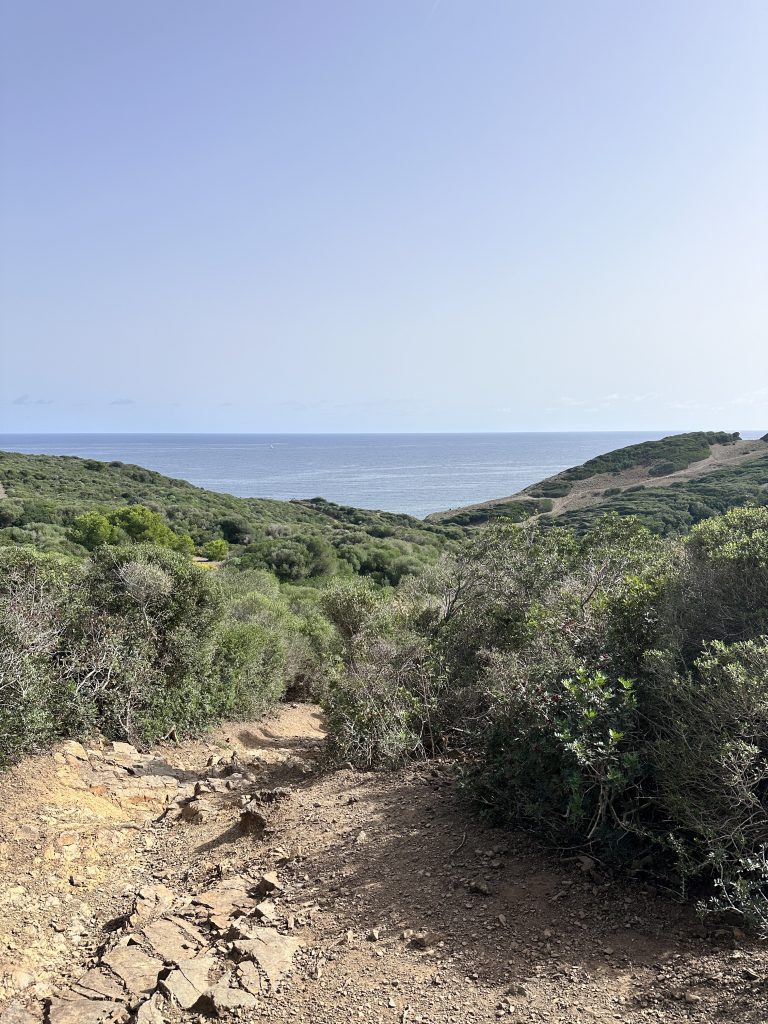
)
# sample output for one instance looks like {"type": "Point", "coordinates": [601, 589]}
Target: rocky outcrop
{"type": "Point", "coordinates": [213, 953]}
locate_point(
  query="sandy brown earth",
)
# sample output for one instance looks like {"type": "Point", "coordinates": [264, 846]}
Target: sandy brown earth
{"type": "Point", "coordinates": [238, 879]}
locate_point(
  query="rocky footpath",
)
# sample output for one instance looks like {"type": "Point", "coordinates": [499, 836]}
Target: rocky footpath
{"type": "Point", "coordinates": [235, 879]}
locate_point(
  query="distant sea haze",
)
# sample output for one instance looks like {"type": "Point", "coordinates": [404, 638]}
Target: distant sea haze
{"type": "Point", "coordinates": [413, 473]}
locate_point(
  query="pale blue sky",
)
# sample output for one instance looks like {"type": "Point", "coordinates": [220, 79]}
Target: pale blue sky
{"type": "Point", "coordinates": [392, 215]}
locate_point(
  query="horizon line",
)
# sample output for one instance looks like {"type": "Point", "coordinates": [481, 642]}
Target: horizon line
{"type": "Point", "coordinates": [350, 433]}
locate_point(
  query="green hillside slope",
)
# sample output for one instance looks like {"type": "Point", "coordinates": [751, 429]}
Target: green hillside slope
{"type": "Point", "coordinates": [42, 495]}
{"type": "Point", "coordinates": [671, 484]}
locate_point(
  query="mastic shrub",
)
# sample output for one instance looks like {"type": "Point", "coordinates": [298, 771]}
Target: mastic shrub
{"type": "Point", "coordinates": [138, 642]}
{"type": "Point", "coordinates": [609, 689]}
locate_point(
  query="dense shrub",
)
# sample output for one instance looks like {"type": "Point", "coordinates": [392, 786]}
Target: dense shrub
{"type": "Point", "coordinates": [36, 605]}
{"type": "Point", "coordinates": [380, 706]}
{"type": "Point", "coordinates": [216, 550]}
{"type": "Point", "coordinates": [676, 451]}
{"type": "Point", "coordinates": [75, 507]}
{"type": "Point", "coordinates": [138, 642]}
{"type": "Point", "coordinates": [135, 524]}
{"type": "Point", "coordinates": [609, 688]}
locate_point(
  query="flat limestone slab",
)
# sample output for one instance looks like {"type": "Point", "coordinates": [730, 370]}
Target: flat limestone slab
{"type": "Point", "coordinates": [189, 981]}
{"type": "Point", "coordinates": [138, 970]}
{"type": "Point", "coordinates": [171, 941]}
{"type": "Point", "coordinates": [272, 952]}
{"type": "Point", "coordinates": [85, 1011]}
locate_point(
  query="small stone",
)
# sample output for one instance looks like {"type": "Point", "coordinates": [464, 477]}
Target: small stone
{"type": "Point", "coordinates": [480, 887]}
{"type": "Point", "coordinates": [251, 818]}
{"type": "Point", "coordinates": [423, 940]}
{"type": "Point", "coordinates": [269, 883]}
{"type": "Point", "coordinates": [224, 998]}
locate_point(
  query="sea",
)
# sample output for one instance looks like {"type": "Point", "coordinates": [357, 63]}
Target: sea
{"type": "Point", "coordinates": [412, 473]}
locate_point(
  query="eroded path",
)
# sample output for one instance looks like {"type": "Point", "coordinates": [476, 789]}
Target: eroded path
{"type": "Point", "coordinates": [235, 879]}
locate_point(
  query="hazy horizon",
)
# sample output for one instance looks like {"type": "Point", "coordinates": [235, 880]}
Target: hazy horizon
{"type": "Point", "coordinates": [756, 431]}
{"type": "Point", "coordinates": [427, 216]}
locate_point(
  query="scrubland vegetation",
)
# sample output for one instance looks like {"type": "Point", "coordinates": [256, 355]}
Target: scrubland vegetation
{"type": "Point", "coordinates": [72, 506]}
{"type": "Point", "coordinates": [139, 643]}
{"type": "Point", "coordinates": [668, 508]}
{"type": "Point", "coordinates": [608, 690]}
{"type": "Point", "coordinates": [676, 508]}
{"type": "Point", "coordinates": [668, 455]}
{"type": "Point", "coordinates": [605, 687]}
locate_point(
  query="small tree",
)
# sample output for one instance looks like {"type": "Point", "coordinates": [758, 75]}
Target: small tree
{"type": "Point", "coordinates": [92, 529]}
{"type": "Point", "coordinates": [216, 550]}
{"type": "Point", "coordinates": [143, 525]}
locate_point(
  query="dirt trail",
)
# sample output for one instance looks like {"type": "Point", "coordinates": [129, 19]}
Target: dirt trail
{"type": "Point", "coordinates": [236, 879]}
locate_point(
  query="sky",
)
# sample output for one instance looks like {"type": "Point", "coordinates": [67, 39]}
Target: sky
{"type": "Point", "coordinates": [400, 215]}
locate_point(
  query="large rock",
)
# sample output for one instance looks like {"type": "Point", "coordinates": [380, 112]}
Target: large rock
{"type": "Point", "coordinates": [80, 1010]}
{"type": "Point", "coordinates": [189, 981]}
{"type": "Point", "coordinates": [150, 903]}
{"type": "Point", "coordinates": [98, 984]}
{"type": "Point", "coordinates": [271, 951]}
{"type": "Point", "coordinates": [197, 811]}
{"type": "Point", "coordinates": [223, 998]}
{"type": "Point", "coordinates": [268, 883]}
{"type": "Point", "coordinates": [149, 1012]}
{"type": "Point", "coordinates": [138, 970]}
{"type": "Point", "coordinates": [252, 979]}
{"type": "Point", "coordinates": [251, 818]}
{"type": "Point", "coordinates": [74, 749]}
{"type": "Point", "coordinates": [16, 1013]}
{"type": "Point", "coordinates": [173, 939]}
{"type": "Point", "coordinates": [227, 900]}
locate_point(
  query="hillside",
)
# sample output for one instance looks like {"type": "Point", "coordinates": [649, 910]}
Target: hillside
{"type": "Point", "coordinates": [671, 484]}
{"type": "Point", "coordinates": [41, 496]}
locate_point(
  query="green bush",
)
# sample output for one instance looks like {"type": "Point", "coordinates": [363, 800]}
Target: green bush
{"type": "Point", "coordinates": [708, 751]}
{"type": "Point", "coordinates": [38, 596]}
{"type": "Point", "coordinates": [216, 550]}
{"type": "Point", "coordinates": [665, 468]}
{"type": "Point", "coordinates": [610, 690]}
{"type": "Point", "coordinates": [138, 642]}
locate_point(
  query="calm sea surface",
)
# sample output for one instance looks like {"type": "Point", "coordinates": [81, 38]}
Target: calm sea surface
{"type": "Point", "coordinates": [415, 473]}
